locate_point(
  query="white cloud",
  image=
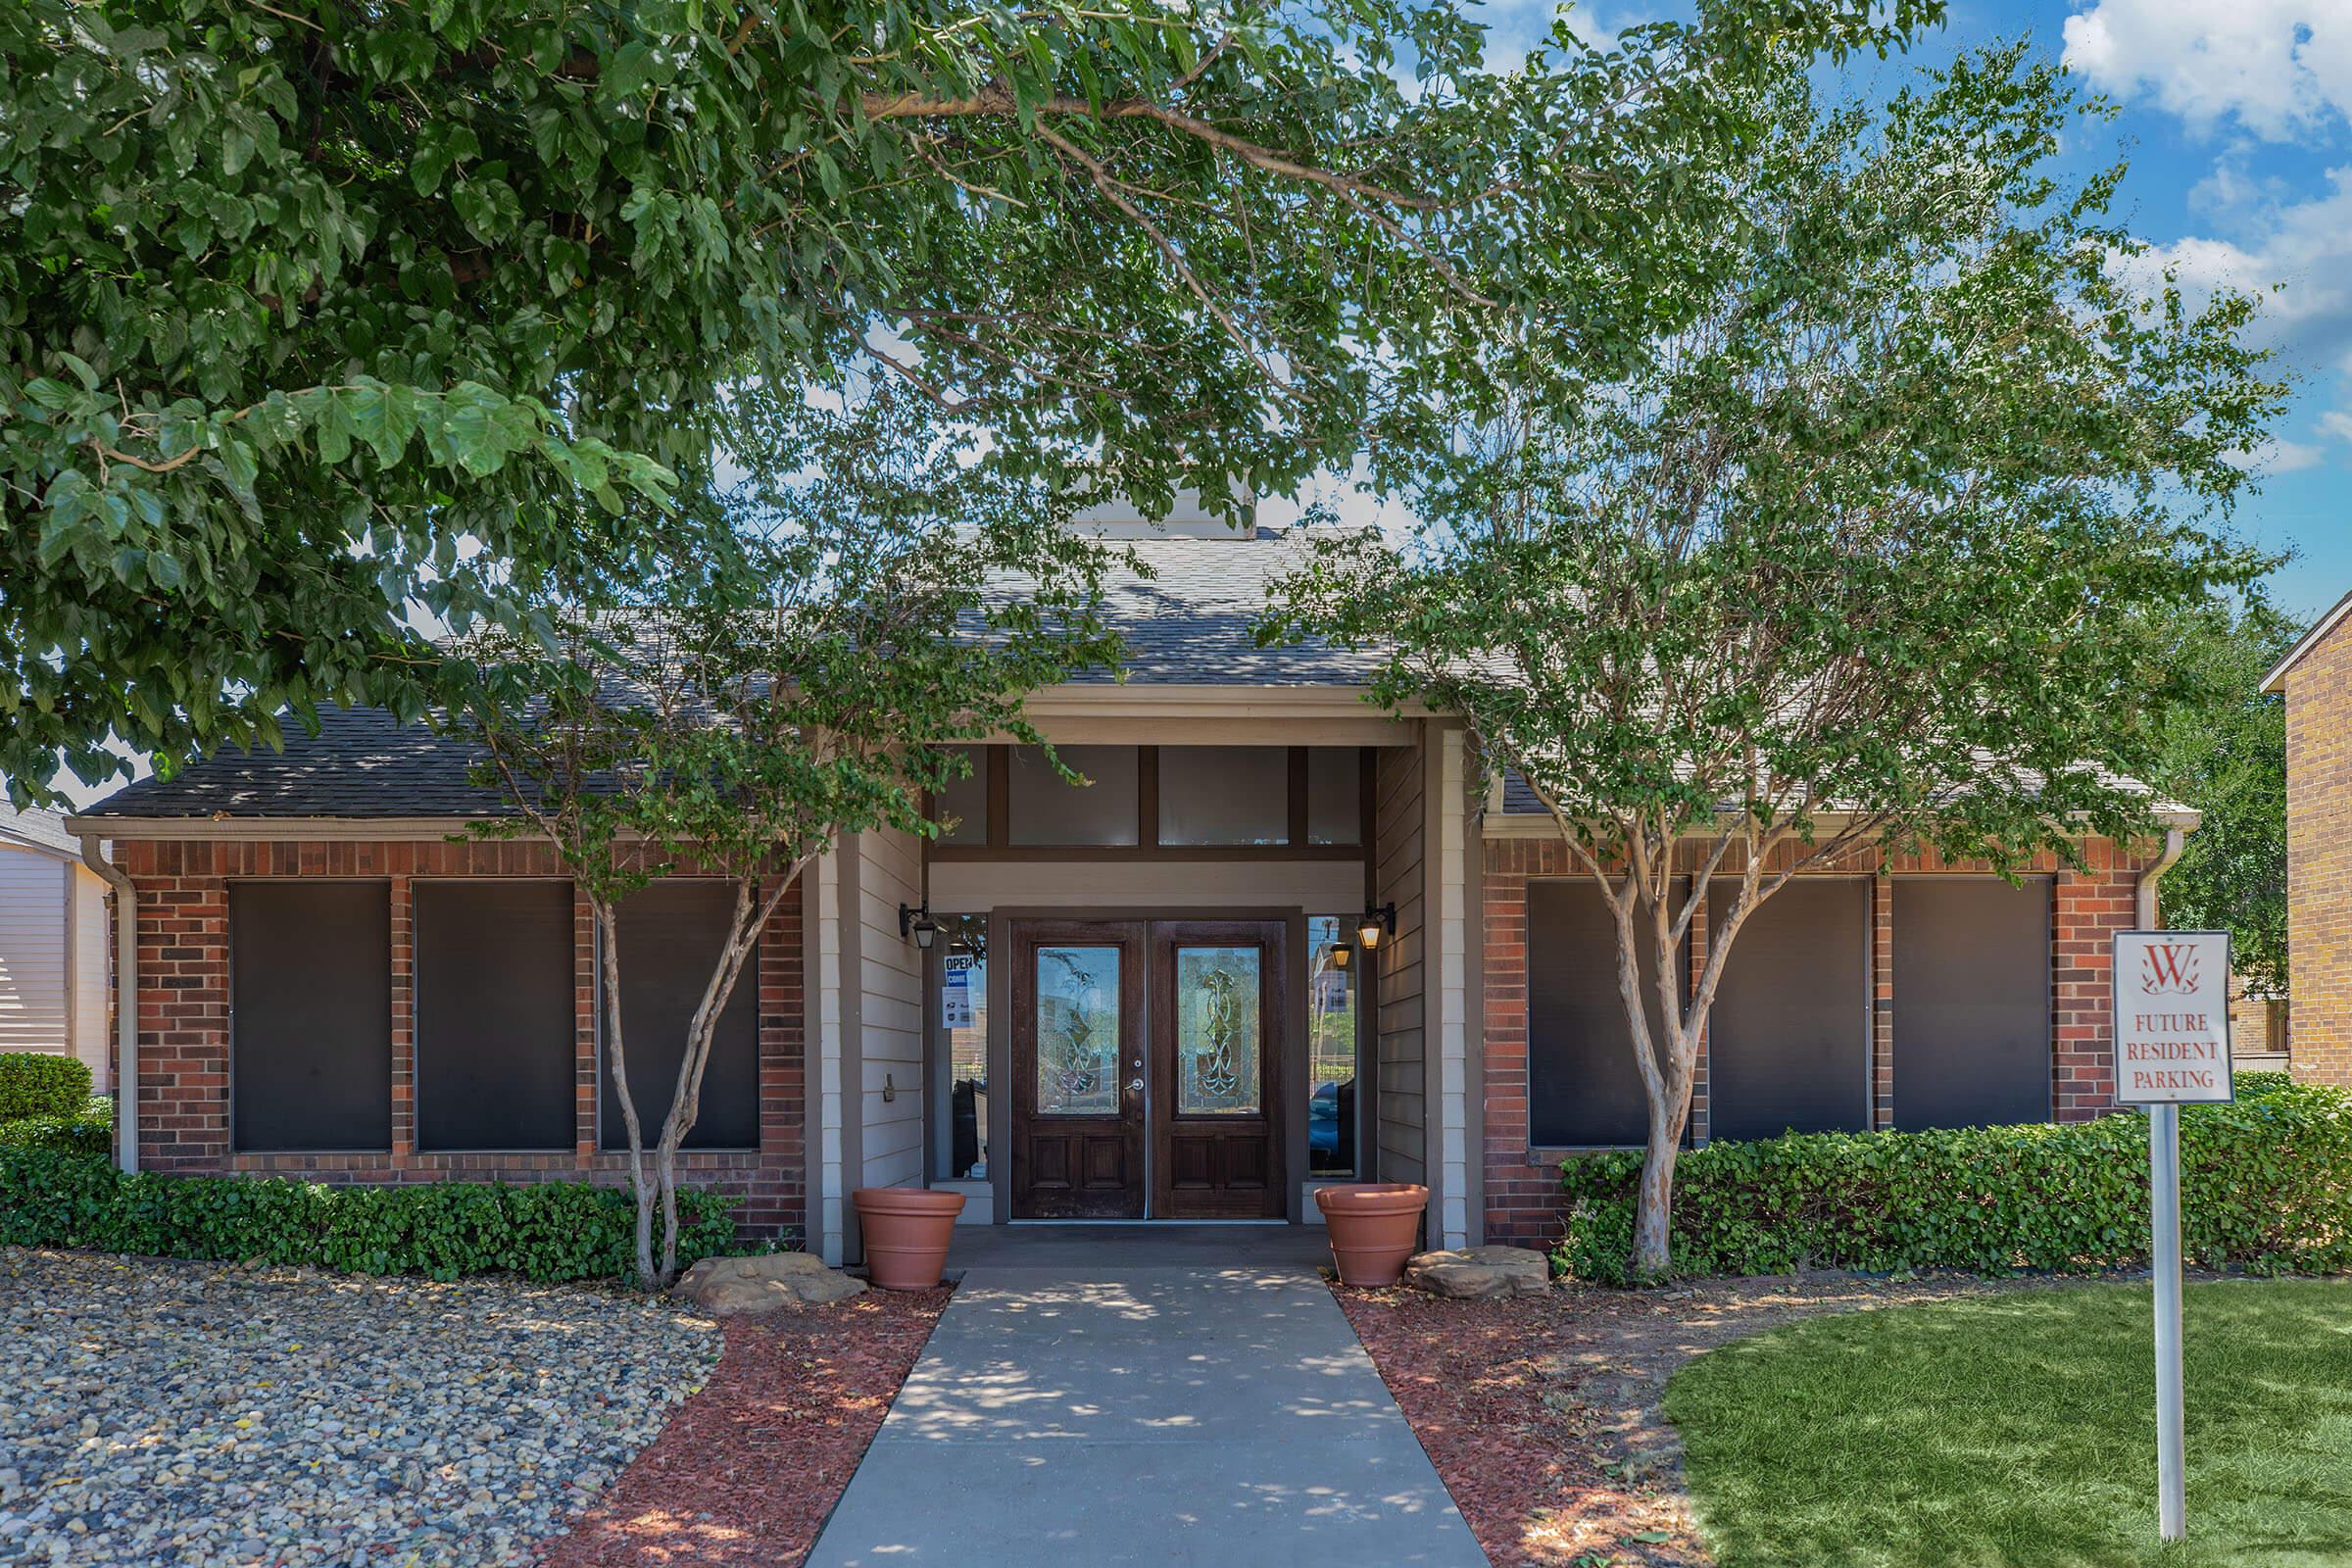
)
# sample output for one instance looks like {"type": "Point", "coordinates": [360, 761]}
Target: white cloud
{"type": "Point", "coordinates": [2305, 248]}
{"type": "Point", "coordinates": [2280, 457]}
{"type": "Point", "coordinates": [2283, 68]}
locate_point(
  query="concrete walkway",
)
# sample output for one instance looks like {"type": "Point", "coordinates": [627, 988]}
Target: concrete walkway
{"type": "Point", "coordinates": [1097, 1404]}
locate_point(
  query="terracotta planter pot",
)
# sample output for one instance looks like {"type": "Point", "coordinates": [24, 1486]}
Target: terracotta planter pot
{"type": "Point", "coordinates": [907, 1234]}
{"type": "Point", "coordinates": [1374, 1228]}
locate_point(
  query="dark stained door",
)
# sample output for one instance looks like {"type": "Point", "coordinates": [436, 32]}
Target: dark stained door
{"type": "Point", "coordinates": [1217, 1007]}
{"type": "Point", "coordinates": [1078, 1062]}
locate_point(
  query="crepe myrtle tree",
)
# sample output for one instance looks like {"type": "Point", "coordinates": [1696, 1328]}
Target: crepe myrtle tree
{"type": "Point", "coordinates": [1858, 559]}
{"type": "Point", "coordinates": [318, 312]}
{"type": "Point", "coordinates": [801, 677]}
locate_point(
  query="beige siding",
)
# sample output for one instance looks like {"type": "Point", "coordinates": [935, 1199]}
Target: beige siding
{"type": "Point", "coordinates": [890, 1012]}
{"type": "Point", "coordinates": [34, 952]}
{"type": "Point", "coordinates": [1401, 1117]}
{"type": "Point", "coordinates": [827, 1217]}
{"type": "Point", "coordinates": [1450, 973]}
{"type": "Point", "coordinates": [1319, 886]}
{"type": "Point", "coordinates": [92, 966]}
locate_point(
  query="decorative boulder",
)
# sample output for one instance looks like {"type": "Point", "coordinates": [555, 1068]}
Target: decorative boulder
{"type": "Point", "coordinates": [725, 1287]}
{"type": "Point", "coordinates": [1477, 1273]}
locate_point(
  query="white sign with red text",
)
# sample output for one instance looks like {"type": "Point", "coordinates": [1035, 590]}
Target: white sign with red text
{"type": "Point", "coordinates": [2172, 1017]}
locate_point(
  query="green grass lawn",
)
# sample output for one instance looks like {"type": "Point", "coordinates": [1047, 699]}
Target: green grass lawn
{"type": "Point", "coordinates": [2022, 1429]}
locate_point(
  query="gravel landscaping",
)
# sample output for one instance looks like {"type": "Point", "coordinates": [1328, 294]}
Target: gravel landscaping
{"type": "Point", "coordinates": [1541, 1412]}
{"type": "Point", "coordinates": [193, 1413]}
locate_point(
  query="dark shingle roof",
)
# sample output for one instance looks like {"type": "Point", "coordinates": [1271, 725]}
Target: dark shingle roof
{"type": "Point", "coordinates": [362, 762]}
{"type": "Point", "coordinates": [1188, 623]}
{"type": "Point", "coordinates": [1518, 800]}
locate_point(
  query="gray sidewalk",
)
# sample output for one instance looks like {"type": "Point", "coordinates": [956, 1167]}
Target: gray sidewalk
{"type": "Point", "coordinates": [1144, 1415]}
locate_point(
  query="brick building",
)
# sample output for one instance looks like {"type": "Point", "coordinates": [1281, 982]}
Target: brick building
{"type": "Point", "coordinates": [332, 982]}
{"type": "Point", "coordinates": [2315, 679]}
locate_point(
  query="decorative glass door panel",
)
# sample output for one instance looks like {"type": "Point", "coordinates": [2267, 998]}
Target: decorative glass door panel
{"type": "Point", "coordinates": [1217, 1039]}
{"type": "Point", "coordinates": [1216, 1021]}
{"type": "Point", "coordinates": [1078, 1065]}
{"type": "Point", "coordinates": [1077, 1031]}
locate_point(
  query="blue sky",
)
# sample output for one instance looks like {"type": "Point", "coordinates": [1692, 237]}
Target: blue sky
{"type": "Point", "coordinates": [2236, 125]}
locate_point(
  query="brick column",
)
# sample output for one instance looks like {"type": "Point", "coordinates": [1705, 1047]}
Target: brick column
{"type": "Point", "coordinates": [1700, 1119]}
{"type": "Point", "coordinates": [775, 1199]}
{"type": "Point", "coordinates": [2090, 908]}
{"type": "Point", "coordinates": [587, 1069]}
{"type": "Point", "coordinates": [1522, 1189]}
{"type": "Point", "coordinates": [1882, 1002]}
{"type": "Point", "coordinates": [404, 1023]}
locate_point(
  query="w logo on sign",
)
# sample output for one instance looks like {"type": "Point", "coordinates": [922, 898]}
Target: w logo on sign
{"type": "Point", "coordinates": [2168, 966]}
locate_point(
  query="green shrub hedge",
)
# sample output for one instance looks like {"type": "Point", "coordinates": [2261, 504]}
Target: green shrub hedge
{"type": "Point", "coordinates": [2265, 1187]}
{"type": "Point", "coordinates": [554, 1232]}
{"type": "Point", "coordinates": [2260, 1085]}
{"type": "Point", "coordinates": [41, 1083]}
{"type": "Point", "coordinates": [88, 1131]}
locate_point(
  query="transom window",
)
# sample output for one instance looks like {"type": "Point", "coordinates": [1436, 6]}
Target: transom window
{"type": "Point", "coordinates": [1305, 802]}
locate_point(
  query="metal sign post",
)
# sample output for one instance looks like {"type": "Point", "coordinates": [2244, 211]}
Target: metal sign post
{"type": "Point", "coordinates": [2163, 1184]}
{"type": "Point", "coordinates": [2171, 996]}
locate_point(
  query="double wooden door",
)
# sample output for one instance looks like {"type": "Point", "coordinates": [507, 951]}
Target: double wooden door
{"type": "Point", "coordinates": [1147, 1068]}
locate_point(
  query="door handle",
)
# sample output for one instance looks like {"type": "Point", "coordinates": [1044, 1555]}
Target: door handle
{"type": "Point", "coordinates": [1136, 1084]}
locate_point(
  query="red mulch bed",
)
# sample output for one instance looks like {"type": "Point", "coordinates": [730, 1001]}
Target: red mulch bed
{"type": "Point", "coordinates": [750, 1468]}
{"type": "Point", "coordinates": [1541, 1413]}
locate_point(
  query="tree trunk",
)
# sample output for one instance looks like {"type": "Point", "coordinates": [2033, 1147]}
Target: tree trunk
{"type": "Point", "coordinates": [666, 1171]}
{"type": "Point", "coordinates": [645, 1278]}
{"type": "Point", "coordinates": [1670, 1090]}
{"type": "Point", "coordinates": [1665, 1084]}
{"type": "Point", "coordinates": [617, 1061]}
{"type": "Point", "coordinates": [1653, 1206]}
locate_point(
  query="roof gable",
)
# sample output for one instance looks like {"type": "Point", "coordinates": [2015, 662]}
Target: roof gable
{"type": "Point", "coordinates": [2320, 630]}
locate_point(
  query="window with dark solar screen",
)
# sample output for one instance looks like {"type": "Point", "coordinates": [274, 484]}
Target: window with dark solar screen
{"type": "Point", "coordinates": [311, 1015]}
{"type": "Point", "coordinates": [1789, 1037]}
{"type": "Point", "coordinates": [1972, 1002]}
{"type": "Point", "coordinates": [1584, 1083]}
{"type": "Point", "coordinates": [497, 1021]}
{"type": "Point", "coordinates": [671, 937]}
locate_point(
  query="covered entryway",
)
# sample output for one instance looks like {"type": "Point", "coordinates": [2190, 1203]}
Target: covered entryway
{"type": "Point", "coordinates": [1147, 1068]}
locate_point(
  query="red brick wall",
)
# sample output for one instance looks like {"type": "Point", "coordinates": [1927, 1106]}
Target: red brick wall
{"type": "Point", "coordinates": [1522, 1185]}
{"type": "Point", "coordinates": [183, 1106]}
{"type": "Point", "coordinates": [2319, 857]}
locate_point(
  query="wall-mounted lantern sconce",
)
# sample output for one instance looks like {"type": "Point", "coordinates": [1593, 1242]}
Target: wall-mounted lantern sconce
{"type": "Point", "coordinates": [1378, 921]}
{"type": "Point", "coordinates": [1341, 952]}
{"type": "Point", "coordinates": [918, 924]}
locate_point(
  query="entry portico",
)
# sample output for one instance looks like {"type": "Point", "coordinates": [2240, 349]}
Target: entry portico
{"type": "Point", "coordinates": [1148, 998]}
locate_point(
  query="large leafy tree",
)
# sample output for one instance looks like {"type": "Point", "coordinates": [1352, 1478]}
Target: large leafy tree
{"type": "Point", "coordinates": [1853, 560]}
{"type": "Point", "coordinates": [318, 314]}
{"type": "Point", "coordinates": [797, 676]}
{"type": "Point", "coordinates": [2224, 755]}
